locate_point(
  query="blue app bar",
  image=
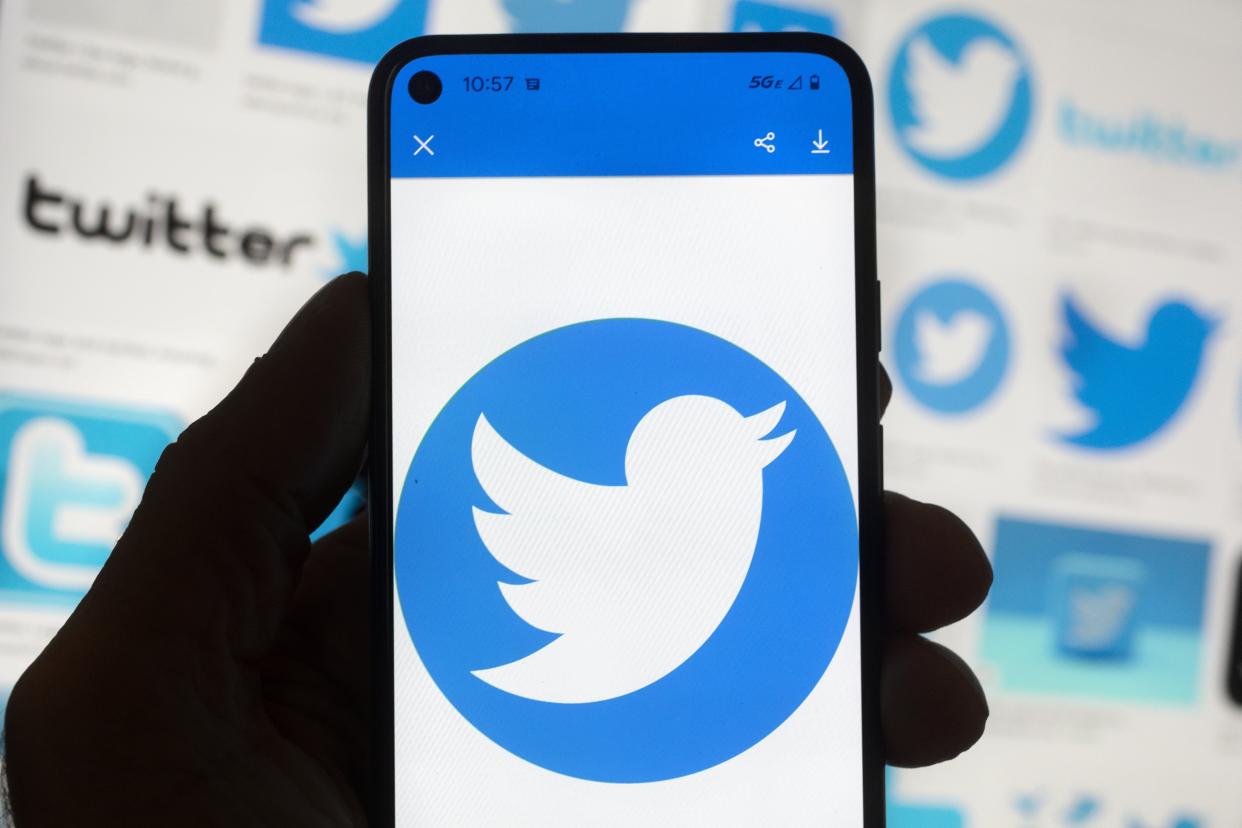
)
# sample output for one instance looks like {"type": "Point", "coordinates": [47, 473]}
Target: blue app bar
{"type": "Point", "coordinates": [730, 113]}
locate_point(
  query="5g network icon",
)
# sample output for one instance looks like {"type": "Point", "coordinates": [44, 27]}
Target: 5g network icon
{"type": "Point", "coordinates": [960, 93]}
{"type": "Point", "coordinates": [71, 476]}
{"type": "Point", "coordinates": [644, 551]}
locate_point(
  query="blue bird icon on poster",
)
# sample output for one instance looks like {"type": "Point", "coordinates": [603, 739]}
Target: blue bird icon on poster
{"type": "Point", "coordinates": [952, 346]}
{"type": "Point", "coordinates": [960, 96]}
{"type": "Point", "coordinates": [1132, 391]}
{"type": "Point", "coordinates": [355, 30]}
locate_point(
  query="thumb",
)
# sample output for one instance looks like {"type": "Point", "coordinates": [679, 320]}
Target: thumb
{"type": "Point", "coordinates": [216, 547]}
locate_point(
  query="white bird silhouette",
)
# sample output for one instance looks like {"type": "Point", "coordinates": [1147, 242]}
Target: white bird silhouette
{"type": "Point", "coordinates": [950, 351]}
{"type": "Point", "coordinates": [1097, 616]}
{"type": "Point", "coordinates": [635, 578]}
{"type": "Point", "coordinates": [339, 16]}
{"type": "Point", "coordinates": [959, 106]}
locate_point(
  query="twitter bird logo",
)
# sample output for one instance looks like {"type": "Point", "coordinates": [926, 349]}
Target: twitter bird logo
{"type": "Point", "coordinates": [950, 351]}
{"type": "Point", "coordinates": [952, 346]}
{"type": "Point", "coordinates": [626, 550]}
{"type": "Point", "coordinates": [1133, 390]}
{"type": "Point", "coordinates": [960, 95]}
{"type": "Point", "coordinates": [983, 79]}
{"type": "Point", "coordinates": [357, 30]}
{"type": "Point", "coordinates": [634, 578]}
{"type": "Point", "coordinates": [343, 15]}
{"type": "Point", "coordinates": [1097, 618]}
{"type": "Point", "coordinates": [351, 253]}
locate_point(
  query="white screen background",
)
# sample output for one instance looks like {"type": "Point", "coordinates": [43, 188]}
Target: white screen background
{"type": "Point", "coordinates": [481, 265]}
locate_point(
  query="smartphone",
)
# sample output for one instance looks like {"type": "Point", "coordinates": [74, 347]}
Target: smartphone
{"type": "Point", "coordinates": [626, 452]}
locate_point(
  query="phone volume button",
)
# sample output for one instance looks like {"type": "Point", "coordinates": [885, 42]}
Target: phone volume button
{"type": "Point", "coordinates": [879, 337]}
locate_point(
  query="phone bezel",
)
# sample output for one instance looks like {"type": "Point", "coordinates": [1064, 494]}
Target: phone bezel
{"type": "Point", "coordinates": [870, 441]}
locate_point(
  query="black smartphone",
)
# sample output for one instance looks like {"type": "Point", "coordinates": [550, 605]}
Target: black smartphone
{"type": "Point", "coordinates": [626, 459]}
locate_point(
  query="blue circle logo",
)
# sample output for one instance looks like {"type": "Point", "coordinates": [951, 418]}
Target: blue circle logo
{"type": "Point", "coordinates": [626, 550]}
{"type": "Point", "coordinates": [960, 96]}
{"type": "Point", "coordinates": [952, 346]}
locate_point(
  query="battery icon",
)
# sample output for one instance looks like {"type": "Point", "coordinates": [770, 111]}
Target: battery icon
{"type": "Point", "coordinates": [814, 81]}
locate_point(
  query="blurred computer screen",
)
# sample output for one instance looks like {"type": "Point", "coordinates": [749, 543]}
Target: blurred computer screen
{"type": "Point", "coordinates": [1059, 205]}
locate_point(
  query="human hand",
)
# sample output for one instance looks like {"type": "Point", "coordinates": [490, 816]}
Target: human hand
{"type": "Point", "coordinates": [931, 704]}
{"type": "Point", "coordinates": [217, 672]}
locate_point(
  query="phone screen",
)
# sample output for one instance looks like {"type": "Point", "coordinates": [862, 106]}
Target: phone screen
{"type": "Point", "coordinates": [625, 439]}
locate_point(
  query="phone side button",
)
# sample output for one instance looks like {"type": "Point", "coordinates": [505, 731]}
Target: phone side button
{"type": "Point", "coordinates": [879, 337]}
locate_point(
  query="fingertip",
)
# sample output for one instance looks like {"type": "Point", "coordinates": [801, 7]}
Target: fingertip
{"type": "Point", "coordinates": [298, 418]}
{"type": "Point", "coordinates": [337, 314]}
{"type": "Point", "coordinates": [936, 571]}
{"type": "Point", "coordinates": [933, 706]}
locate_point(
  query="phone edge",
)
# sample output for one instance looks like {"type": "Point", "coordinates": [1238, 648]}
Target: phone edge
{"type": "Point", "coordinates": [381, 778]}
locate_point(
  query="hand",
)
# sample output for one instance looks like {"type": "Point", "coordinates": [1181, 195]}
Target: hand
{"type": "Point", "coordinates": [217, 671]}
{"type": "Point", "coordinates": [931, 704]}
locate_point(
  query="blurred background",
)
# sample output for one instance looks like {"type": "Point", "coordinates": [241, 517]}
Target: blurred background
{"type": "Point", "coordinates": [1060, 237]}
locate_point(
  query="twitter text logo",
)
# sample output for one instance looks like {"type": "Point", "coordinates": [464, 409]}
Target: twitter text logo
{"type": "Point", "coordinates": [1132, 390]}
{"type": "Point", "coordinates": [960, 96]}
{"type": "Point", "coordinates": [71, 478]}
{"type": "Point", "coordinates": [360, 30]}
{"type": "Point", "coordinates": [952, 346]}
{"type": "Point", "coordinates": [643, 556]}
